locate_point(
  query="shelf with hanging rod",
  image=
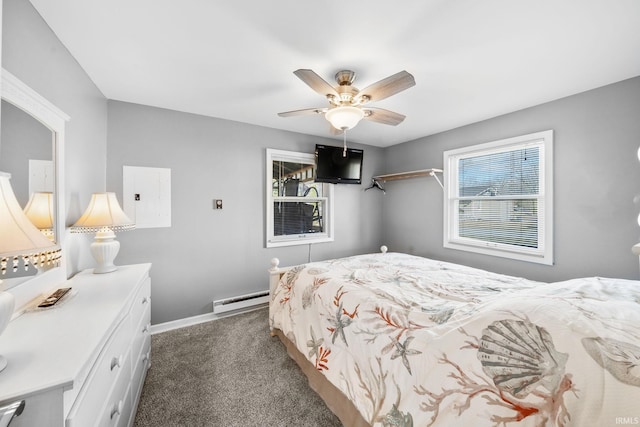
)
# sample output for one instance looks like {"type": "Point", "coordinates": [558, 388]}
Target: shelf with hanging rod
{"type": "Point", "coordinates": [378, 180]}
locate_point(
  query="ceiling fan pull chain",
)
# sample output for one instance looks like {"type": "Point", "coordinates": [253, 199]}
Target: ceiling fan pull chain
{"type": "Point", "coordinates": [344, 152]}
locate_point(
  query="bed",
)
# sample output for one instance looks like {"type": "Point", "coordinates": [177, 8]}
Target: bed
{"type": "Point", "coordinates": [392, 339]}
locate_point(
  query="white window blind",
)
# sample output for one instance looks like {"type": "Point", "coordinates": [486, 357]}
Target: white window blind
{"type": "Point", "coordinates": [499, 198]}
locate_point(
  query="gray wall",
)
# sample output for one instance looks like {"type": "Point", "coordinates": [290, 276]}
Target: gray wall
{"type": "Point", "coordinates": [33, 53]}
{"type": "Point", "coordinates": [209, 254]}
{"type": "Point", "coordinates": [22, 138]}
{"type": "Point", "coordinates": [596, 185]}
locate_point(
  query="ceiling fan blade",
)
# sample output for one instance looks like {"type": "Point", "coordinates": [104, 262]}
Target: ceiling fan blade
{"type": "Point", "coordinates": [386, 87]}
{"type": "Point", "coordinates": [386, 117]}
{"type": "Point", "coordinates": [316, 82]}
{"type": "Point", "coordinates": [304, 112]}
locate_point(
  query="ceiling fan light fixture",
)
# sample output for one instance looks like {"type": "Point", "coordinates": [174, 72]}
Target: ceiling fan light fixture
{"type": "Point", "coordinates": [345, 117]}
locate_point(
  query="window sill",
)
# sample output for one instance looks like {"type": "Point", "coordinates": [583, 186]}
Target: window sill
{"type": "Point", "coordinates": [301, 239]}
{"type": "Point", "coordinates": [538, 258]}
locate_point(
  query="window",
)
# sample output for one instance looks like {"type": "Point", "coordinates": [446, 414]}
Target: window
{"type": "Point", "coordinates": [499, 198]}
{"type": "Point", "coordinates": [299, 210]}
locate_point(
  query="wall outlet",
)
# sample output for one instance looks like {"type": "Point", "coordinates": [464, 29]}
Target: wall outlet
{"type": "Point", "coordinates": [217, 203]}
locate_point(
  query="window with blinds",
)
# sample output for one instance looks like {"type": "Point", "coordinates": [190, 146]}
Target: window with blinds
{"type": "Point", "coordinates": [499, 198]}
{"type": "Point", "coordinates": [298, 208]}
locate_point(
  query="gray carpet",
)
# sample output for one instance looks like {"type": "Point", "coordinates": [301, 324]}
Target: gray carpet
{"type": "Point", "coordinates": [227, 372]}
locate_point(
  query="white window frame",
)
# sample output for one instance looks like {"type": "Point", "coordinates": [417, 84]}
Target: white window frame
{"type": "Point", "coordinates": [543, 254]}
{"type": "Point", "coordinates": [271, 240]}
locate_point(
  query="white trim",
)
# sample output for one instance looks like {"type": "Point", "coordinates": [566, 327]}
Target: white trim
{"type": "Point", "coordinates": [545, 229]}
{"type": "Point", "coordinates": [196, 320]}
{"type": "Point", "coordinates": [272, 241]}
{"type": "Point", "coordinates": [22, 96]}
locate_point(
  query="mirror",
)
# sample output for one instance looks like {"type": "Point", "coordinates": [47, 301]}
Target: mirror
{"type": "Point", "coordinates": [26, 152]}
{"type": "Point", "coordinates": [31, 147]}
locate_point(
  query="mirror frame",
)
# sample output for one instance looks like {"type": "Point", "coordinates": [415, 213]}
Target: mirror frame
{"type": "Point", "coordinates": [14, 91]}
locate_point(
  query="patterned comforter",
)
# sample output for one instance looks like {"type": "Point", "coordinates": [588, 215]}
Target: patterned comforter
{"type": "Point", "coordinates": [412, 341]}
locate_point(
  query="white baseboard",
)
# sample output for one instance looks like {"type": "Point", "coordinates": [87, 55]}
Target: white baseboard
{"type": "Point", "coordinates": [202, 318]}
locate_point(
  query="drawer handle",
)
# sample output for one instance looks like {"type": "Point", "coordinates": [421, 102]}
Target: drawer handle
{"type": "Point", "coordinates": [10, 411]}
{"type": "Point", "coordinates": [117, 409]}
{"type": "Point", "coordinates": [116, 362]}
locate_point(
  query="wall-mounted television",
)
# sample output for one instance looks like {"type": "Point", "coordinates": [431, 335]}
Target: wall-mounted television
{"type": "Point", "coordinates": [332, 165]}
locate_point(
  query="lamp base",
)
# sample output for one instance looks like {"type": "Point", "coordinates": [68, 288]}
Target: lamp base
{"type": "Point", "coordinates": [104, 249]}
{"type": "Point", "coordinates": [105, 269]}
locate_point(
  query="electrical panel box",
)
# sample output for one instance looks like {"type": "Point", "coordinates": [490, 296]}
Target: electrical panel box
{"type": "Point", "coordinates": [147, 195]}
{"type": "Point", "coordinates": [41, 176]}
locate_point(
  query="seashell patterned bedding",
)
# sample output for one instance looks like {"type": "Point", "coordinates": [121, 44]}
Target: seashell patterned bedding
{"type": "Point", "coordinates": [413, 341]}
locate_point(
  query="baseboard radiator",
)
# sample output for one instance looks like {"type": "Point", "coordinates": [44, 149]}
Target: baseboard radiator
{"type": "Point", "coordinates": [241, 301]}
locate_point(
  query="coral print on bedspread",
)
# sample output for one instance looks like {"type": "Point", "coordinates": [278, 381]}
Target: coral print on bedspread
{"type": "Point", "coordinates": [412, 341]}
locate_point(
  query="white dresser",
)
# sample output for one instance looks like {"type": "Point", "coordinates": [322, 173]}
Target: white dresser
{"type": "Point", "coordinates": [83, 362]}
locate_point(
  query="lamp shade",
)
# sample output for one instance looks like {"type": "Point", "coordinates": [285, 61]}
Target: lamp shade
{"type": "Point", "coordinates": [103, 212]}
{"type": "Point", "coordinates": [345, 117]}
{"type": "Point", "coordinates": [19, 238]}
{"type": "Point", "coordinates": [39, 210]}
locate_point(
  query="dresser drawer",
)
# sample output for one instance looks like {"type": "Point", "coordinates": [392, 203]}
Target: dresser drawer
{"type": "Point", "coordinates": [118, 403]}
{"type": "Point", "coordinates": [140, 367]}
{"type": "Point", "coordinates": [125, 419]}
{"type": "Point", "coordinates": [42, 409]}
{"type": "Point", "coordinates": [142, 333]}
{"type": "Point", "coordinates": [141, 302]}
{"type": "Point", "coordinates": [113, 363]}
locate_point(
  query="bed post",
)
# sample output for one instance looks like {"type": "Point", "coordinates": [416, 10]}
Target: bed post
{"type": "Point", "coordinates": [274, 275]}
{"type": "Point", "coordinates": [274, 278]}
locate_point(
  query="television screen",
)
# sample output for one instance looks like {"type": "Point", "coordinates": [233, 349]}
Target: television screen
{"type": "Point", "coordinates": [334, 167]}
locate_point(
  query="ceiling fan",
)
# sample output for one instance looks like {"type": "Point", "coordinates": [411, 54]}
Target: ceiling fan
{"type": "Point", "coordinates": [347, 103]}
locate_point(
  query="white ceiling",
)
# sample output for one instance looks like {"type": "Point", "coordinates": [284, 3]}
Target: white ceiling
{"type": "Point", "coordinates": [471, 59]}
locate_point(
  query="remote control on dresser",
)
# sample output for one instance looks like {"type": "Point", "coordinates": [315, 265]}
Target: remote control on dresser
{"type": "Point", "coordinates": [54, 297]}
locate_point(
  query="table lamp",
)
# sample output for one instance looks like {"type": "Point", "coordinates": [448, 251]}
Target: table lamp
{"type": "Point", "coordinates": [103, 216]}
{"type": "Point", "coordinates": [39, 210]}
{"type": "Point", "coordinates": [19, 239]}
